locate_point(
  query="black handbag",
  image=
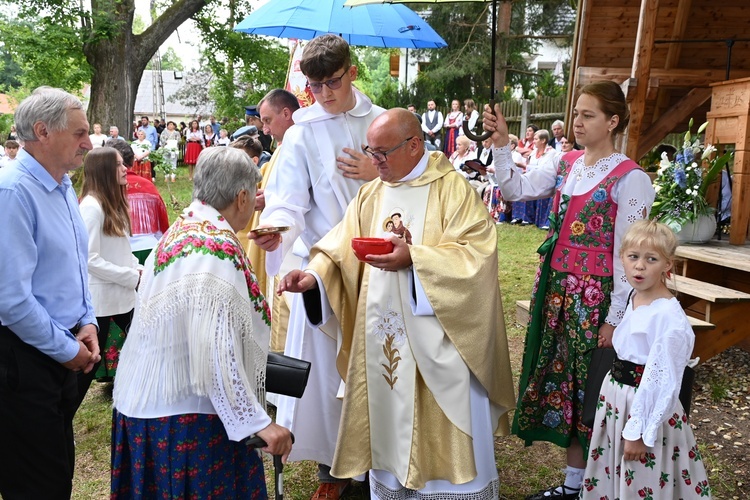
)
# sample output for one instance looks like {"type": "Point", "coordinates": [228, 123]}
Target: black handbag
{"type": "Point", "coordinates": [286, 375]}
{"type": "Point", "coordinates": [601, 363]}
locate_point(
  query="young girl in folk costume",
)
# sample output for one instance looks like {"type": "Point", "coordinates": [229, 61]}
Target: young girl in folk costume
{"type": "Point", "coordinates": [194, 145]}
{"type": "Point", "coordinates": [452, 126]}
{"type": "Point", "coordinates": [141, 149]}
{"type": "Point", "coordinates": [580, 290]}
{"type": "Point", "coordinates": [642, 445]}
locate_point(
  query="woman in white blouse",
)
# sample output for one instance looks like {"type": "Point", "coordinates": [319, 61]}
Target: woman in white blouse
{"type": "Point", "coordinates": [581, 289]}
{"type": "Point", "coordinates": [141, 149]}
{"type": "Point", "coordinates": [114, 272]}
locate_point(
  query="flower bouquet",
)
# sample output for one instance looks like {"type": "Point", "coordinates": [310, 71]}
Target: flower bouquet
{"type": "Point", "coordinates": [681, 183]}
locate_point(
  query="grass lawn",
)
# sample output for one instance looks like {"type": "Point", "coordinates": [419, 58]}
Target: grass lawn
{"type": "Point", "coordinates": [522, 470]}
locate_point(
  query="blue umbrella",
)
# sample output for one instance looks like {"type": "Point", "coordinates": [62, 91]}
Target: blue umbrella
{"type": "Point", "coordinates": [377, 25]}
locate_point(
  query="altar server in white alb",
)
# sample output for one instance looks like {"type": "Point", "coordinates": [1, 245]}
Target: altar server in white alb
{"type": "Point", "coordinates": [318, 172]}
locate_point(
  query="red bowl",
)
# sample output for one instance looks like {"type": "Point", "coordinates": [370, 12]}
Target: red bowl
{"type": "Point", "coordinates": [371, 246]}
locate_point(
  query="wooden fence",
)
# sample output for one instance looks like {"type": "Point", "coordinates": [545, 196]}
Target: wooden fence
{"type": "Point", "coordinates": [520, 113]}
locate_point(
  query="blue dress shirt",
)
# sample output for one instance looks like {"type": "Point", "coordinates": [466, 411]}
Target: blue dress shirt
{"type": "Point", "coordinates": [151, 135]}
{"type": "Point", "coordinates": [44, 291]}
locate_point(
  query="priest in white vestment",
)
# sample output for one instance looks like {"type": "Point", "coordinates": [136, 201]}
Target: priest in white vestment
{"type": "Point", "coordinates": [318, 172]}
{"type": "Point", "coordinates": [424, 354]}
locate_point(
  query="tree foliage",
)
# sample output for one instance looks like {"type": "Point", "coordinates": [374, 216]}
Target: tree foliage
{"type": "Point", "coordinates": [68, 43]}
{"type": "Point", "coordinates": [170, 61]}
{"type": "Point", "coordinates": [243, 67]}
{"type": "Point", "coordinates": [462, 69]}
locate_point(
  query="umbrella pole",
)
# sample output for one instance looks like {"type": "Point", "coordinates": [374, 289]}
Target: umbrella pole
{"type": "Point", "coordinates": [465, 125]}
{"type": "Point", "coordinates": [494, 51]}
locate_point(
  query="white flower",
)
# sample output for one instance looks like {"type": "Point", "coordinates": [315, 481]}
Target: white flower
{"type": "Point", "coordinates": [657, 188]}
{"type": "Point", "coordinates": [689, 191]}
{"type": "Point", "coordinates": [664, 163]}
{"type": "Point", "coordinates": [710, 149]}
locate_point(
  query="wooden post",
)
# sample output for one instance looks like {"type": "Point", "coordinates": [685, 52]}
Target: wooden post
{"type": "Point", "coordinates": [729, 123]}
{"type": "Point", "coordinates": [641, 71]}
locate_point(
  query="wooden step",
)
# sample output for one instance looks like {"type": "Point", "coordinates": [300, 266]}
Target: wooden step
{"type": "Point", "coordinates": [705, 291]}
{"type": "Point", "coordinates": [522, 317]}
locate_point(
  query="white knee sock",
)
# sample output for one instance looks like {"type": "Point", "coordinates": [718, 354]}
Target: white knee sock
{"type": "Point", "coordinates": [574, 477]}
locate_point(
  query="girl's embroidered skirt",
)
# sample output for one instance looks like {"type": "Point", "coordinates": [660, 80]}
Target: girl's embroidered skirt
{"type": "Point", "coordinates": [673, 468]}
{"type": "Point", "coordinates": [182, 456]}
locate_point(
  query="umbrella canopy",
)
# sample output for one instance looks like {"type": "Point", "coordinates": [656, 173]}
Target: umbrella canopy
{"type": "Point", "coordinates": [353, 3]}
{"type": "Point", "coordinates": [378, 25]}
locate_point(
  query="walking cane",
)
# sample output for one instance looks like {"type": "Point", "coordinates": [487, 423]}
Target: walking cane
{"type": "Point", "coordinates": [278, 466]}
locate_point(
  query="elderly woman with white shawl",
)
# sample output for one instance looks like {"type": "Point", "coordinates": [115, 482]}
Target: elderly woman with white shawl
{"type": "Point", "coordinates": [191, 375]}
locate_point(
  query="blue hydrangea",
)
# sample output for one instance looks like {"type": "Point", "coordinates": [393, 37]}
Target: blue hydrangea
{"type": "Point", "coordinates": [552, 419]}
{"type": "Point", "coordinates": [680, 177]}
{"type": "Point", "coordinates": [680, 158]}
{"type": "Point", "coordinates": [600, 195]}
{"type": "Point", "coordinates": [689, 156]}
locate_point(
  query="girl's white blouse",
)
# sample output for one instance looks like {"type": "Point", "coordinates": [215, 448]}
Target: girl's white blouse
{"type": "Point", "coordinates": [659, 336]}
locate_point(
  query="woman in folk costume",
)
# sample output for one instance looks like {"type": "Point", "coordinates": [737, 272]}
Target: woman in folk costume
{"type": "Point", "coordinates": [114, 272]}
{"type": "Point", "coordinates": [580, 290]}
{"type": "Point", "coordinates": [191, 378]}
{"type": "Point", "coordinates": [641, 444]}
{"type": "Point", "coordinates": [141, 150]}
{"type": "Point", "coordinates": [194, 144]}
{"type": "Point", "coordinates": [542, 153]}
{"type": "Point", "coordinates": [471, 114]}
{"type": "Point", "coordinates": [452, 126]}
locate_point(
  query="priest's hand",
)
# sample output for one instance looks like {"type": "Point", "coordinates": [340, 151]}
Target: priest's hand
{"type": "Point", "coordinates": [356, 166]}
{"type": "Point", "coordinates": [399, 258]}
{"type": "Point", "coordinates": [297, 281]}
{"type": "Point", "coordinates": [497, 125]}
{"type": "Point", "coordinates": [268, 242]}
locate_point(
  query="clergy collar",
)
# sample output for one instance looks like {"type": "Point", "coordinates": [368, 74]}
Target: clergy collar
{"type": "Point", "coordinates": [418, 169]}
{"type": "Point", "coordinates": [316, 113]}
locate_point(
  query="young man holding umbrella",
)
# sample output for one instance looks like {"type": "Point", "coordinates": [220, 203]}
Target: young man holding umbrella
{"type": "Point", "coordinates": [319, 171]}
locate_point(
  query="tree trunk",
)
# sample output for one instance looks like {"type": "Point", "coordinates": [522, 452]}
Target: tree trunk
{"type": "Point", "coordinates": [118, 61]}
{"type": "Point", "coordinates": [504, 12]}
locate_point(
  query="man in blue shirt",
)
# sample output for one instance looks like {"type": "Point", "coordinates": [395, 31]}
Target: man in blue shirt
{"type": "Point", "coordinates": [48, 327]}
{"type": "Point", "coordinates": [151, 135]}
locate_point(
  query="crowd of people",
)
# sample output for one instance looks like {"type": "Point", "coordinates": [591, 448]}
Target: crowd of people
{"type": "Point", "coordinates": [406, 390]}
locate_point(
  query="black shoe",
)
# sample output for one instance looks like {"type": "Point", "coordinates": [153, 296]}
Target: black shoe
{"type": "Point", "coordinates": [525, 223]}
{"type": "Point", "coordinates": [515, 221]}
{"type": "Point", "coordinates": [553, 494]}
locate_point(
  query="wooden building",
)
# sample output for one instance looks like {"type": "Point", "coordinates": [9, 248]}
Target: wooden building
{"type": "Point", "coordinates": [671, 57]}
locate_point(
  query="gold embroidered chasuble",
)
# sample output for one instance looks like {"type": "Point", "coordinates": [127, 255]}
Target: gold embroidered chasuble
{"type": "Point", "coordinates": [257, 258]}
{"type": "Point", "coordinates": [456, 264]}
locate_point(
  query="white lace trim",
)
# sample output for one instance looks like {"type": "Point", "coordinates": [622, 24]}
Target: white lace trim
{"type": "Point", "coordinates": [489, 492]}
{"type": "Point", "coordinates": [170, 354]}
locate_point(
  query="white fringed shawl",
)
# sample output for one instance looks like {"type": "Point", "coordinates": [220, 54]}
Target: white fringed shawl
{"type": "Point", "coordinates": [199, 314]}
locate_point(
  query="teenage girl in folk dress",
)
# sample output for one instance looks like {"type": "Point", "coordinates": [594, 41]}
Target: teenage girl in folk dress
{"type": "Point", "coordinates": [580, 290]}
{"type": "Point", "coordinates": [641, 444]}
{"type": "Point", "coordinates": [452, 125]}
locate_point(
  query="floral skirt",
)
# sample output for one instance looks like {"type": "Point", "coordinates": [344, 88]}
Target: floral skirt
{"type": "Point", "coordinates": [449, 147]}
{"type": "Point", "coordinates": [673, 468]}
{"type": "Point", "coordinates": [549, 409]}
{"type": "Point", "coordinates": [543, 207]}
{"type": "Point", "coordinates": [142, 168]}
{"type": "Point", "coordinates": [524, 211]}
{"type": "Point", "coordinates": [182, 457]}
